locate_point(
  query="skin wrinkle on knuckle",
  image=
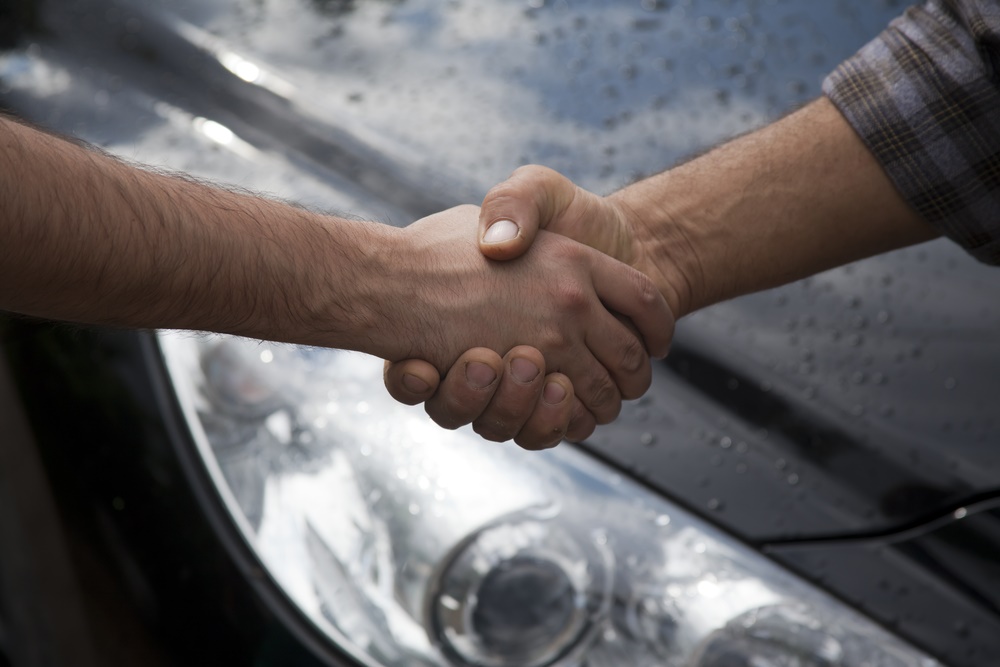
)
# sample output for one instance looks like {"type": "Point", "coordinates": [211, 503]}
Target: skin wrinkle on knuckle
{"type": "Point", "coordinates": [501, 200]}
{"type": "Point", "coordinates": [646, 293]}
{"type": "Point", "coordinates": [604, 399]}
{"type": "Point", "coordinates": [634, 358]}
{"type": "Point", "coordinates": [651, 300]}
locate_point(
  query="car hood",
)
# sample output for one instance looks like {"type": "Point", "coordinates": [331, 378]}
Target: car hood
{"type": "Point", "coordinates": [858, 402]}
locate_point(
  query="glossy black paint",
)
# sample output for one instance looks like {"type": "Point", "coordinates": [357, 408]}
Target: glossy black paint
{"type": "Point", "coordinates": [837, 424]}
{"type": "Point", "coordinates": [863, 400]}
{"type": "Point", "coordinates": [937, 583]}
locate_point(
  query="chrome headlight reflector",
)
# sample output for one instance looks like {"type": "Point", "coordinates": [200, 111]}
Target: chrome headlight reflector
{"type": "Point", "coordinates": [410, 545]}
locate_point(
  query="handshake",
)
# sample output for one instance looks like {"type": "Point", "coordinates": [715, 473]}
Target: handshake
{"type": "Point", "coordinates": [578, 292]}
{"type": "Point", "coordinates": [561, 284]}
{"type": "Point", "coordinates": [594, 284]}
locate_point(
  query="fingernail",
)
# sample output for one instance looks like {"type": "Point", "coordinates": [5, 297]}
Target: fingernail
{"type": "Point", "coordinates": [554, 393]}
{"type": "Point", "coordinates": [414, 384]}
{"type": "Point", "coordinates": [500, 231]}
{"type": "Point", "coordinates": [523, 370]}
{"type": "Point", "coordinates": [479, 374]}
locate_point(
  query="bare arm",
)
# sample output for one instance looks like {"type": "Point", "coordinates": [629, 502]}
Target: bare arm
{"type": "Point", "coordinates": [86, 238]}
{"type": "Point", "coordinates": [89, 239]}
{"type": "Point", "coordinates": [797, 197]}
{"type": "Point", "coordinates": [787, 201]}
{"type": "Point", "coordinates": [792, 199]}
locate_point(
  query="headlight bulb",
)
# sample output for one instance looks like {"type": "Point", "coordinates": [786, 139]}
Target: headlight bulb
{"type": "Point", "coordinates": [522, 592]}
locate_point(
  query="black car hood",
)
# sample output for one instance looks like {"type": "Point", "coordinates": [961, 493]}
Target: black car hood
{"type": "Point", "coordinates": [859, 402]}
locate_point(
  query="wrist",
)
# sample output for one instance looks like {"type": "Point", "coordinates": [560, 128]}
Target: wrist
{"type": "Point", "coordinates": [662, 243]}
{"type": "Point", "coordinates": [354, 305]}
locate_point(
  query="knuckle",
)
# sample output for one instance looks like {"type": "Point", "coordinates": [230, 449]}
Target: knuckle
{"type": "Point", "coordinates": [492, 429]}
{"type": "Point", "coordinates": [604, 399]}
{"type": "Point", "coordinates": [571, 296]}
{"type": "Point", "coordinates": [501, 194]}
{"type": "Point", "coordinates": [515, 189]}
{"type": "Point", "coordinates": [531, 172]}
{"type": "Point", "coordinates": [646, 293]}
{"type": "Point", "coordinates": [634, 358]}
{"type": "Point", "coordinates": [554, 339]}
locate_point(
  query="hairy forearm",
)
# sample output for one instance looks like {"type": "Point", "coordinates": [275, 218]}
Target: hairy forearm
{"type": "Point", "coordinates": [797, 197]}
{"type": "Point", "coordinates": [86, 238]}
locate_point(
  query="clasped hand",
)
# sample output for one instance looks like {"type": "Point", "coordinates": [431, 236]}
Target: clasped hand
{"type": "Point", "coordinates": [576, 326]}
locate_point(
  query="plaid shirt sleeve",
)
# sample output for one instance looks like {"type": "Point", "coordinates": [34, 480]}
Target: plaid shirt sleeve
{"type": "Point", "coordinates": [925, 97]}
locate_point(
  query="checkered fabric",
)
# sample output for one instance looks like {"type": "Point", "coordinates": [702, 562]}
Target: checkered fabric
{"type": "Point", "coordinates": [925, 97]}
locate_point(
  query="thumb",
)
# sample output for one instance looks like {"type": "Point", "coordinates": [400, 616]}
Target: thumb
{"type": "Point", "coordinates": [513, 211]}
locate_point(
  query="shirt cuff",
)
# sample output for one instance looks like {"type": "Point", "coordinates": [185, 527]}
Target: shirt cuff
{"type": "Point", "coordinates": [925, 99]}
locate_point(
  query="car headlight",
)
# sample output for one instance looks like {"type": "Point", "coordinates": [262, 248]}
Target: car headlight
{"type": "Point", "coordinates": [410, 545]}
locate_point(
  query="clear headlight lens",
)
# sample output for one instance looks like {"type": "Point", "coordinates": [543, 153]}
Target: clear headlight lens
{"type": "Point", "coordinates": [410, 545]}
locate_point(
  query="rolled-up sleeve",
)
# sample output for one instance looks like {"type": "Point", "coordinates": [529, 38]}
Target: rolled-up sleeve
{"type": "Point", "coordinates": [925, 97]}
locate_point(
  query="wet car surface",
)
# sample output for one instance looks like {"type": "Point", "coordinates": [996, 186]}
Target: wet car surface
{"type": "Point", "coordinates": [846, 425]}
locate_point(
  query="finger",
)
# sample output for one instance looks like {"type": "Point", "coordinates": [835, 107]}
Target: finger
{"type": "Point", "coordinates": [594, 387]}
{"type": "Point", "coordinates": [516, 397]}
{"type": "Point", "coordinates": [467, 388]}
{"type": "Point", "coordinates": [411, 381]}
{"type": "Point", "coordinates": [581, 422]}
{"type": "Point", "coordinates": [513, 211]}
{"type": "Point", "coordinates": [551, 417]}
{"type": "Point", "coordinates": [623, 354]}
{"type": "Point", "coordinates": [624, 290]}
